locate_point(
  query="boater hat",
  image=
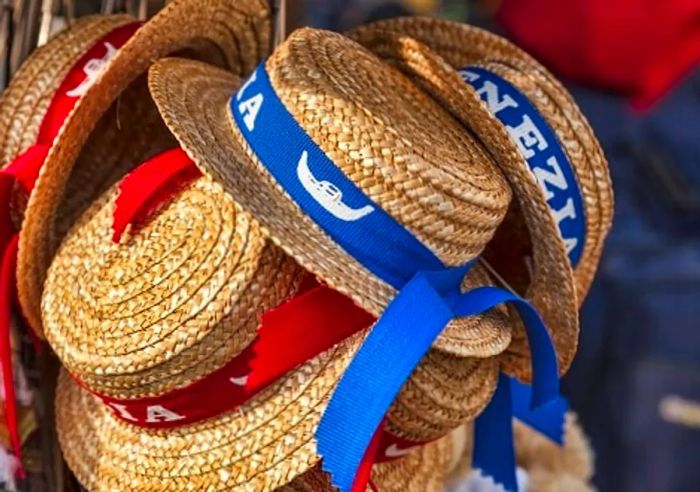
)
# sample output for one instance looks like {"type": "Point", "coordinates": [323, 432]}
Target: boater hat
{"type": "Point", "coordinates": [158, 329]}
{"type": "Point", "coordinates": [541, 142]}
{"type": "Point", "coordinates": [363, 194]}
{"type": "Point", "coordinates": [369, 120]}
{"type": "Point", "coordinates": [82, 163]}
{"type": "Point", "coordinates": [32, 110]}
{"type": "Point", "coordinates": [424, 469]}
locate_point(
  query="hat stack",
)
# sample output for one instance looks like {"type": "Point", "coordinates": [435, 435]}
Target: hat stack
{"type": "Point", "coordinates": [549, 245]}
{"type": "Point", "coordinates": [177, 274]}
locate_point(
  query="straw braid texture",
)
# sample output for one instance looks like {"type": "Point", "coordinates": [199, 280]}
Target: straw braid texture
{"type": "Point", "coordinates": [232, 33]}
{"type": "Point", "coordinates": [461, 45]}
{"type": "Point", "coordinates": [133, 119]}
{"type": "Point", "coordinates": [264, 444]}
{"type": "Point", "coordinates": [168, 305]}
{"type": "Point", "coordinates": [422, 470]}
{"type": "Point", "coordinates": [551, 287]}
{"type": "Point", "coordinates": [443, 392]}
{"type": "Point", "coordinates": [351, 115]}
{"type": "Point", "coordinates": [24, 102]}
{"type": "Point", "coordinates": [535, 451]}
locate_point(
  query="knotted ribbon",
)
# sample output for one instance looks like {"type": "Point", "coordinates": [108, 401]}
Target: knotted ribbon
{"type": "Point", "coordinates": [429, 292]}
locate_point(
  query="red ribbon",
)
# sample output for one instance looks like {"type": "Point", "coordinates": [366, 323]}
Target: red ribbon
{"type": "Point", "coordinates": [288, 336]}
{"type": "Point", "coordinates": [149, 185]}
{"type": "Point", "coordinates": [24, 171]}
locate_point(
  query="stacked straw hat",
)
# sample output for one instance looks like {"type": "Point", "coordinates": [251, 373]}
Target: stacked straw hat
{"type": "Point", "coordinates": [161, 309]}
{"type": "Point", "coordinates": [129, 363]}
{"type": "Point", "coordinates": [164, 308]}
{"type": "Point", "coordinates": [564, 207]}
{"type": "Point", "coordinates": [101, 140]}
{"type": "Point", "coordinates": [424, 469]}
{"type": "Point", "coordinates": [370, 121]}
{"type": "Point", "coordinates": [543, 466]}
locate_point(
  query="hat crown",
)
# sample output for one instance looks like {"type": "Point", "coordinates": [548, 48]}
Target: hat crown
{"type": "Point", "coordinates": [167, 305]}
{"type": "Point", "coordinates": [392, 141]}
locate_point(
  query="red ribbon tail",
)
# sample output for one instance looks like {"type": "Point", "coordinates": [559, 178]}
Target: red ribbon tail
{"type": "Point", "coordinates": [364, 471]}
{"type": "Point", "coordinates": [149, 185]}
{"type": "Point", "coordinates": [302, 328]}
{"type": "Point", "coordinates": [7, 287]}
{"type": "Point", "coordinates": [26, 166]}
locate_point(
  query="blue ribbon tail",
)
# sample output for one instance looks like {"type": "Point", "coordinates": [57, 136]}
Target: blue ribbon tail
{"type": "Point", "coordinates": [494, 455]}
{"type": "Point", "coordinates": [548, 420]}
{"type": "Point", "coordinates": [393, 349]}
{"type": "Point", "coordinates": [385, 361]}
{"type": "Point", "coordinates": [545, 372]}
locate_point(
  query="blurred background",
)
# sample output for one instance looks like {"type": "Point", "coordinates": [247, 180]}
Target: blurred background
{"type": "Point", "coordinates": [632, 66]}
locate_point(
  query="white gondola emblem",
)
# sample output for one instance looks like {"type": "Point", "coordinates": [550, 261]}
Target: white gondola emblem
{"type": "Point", "coordinates": [327, 194]}
{"type": "Point", "coordinates": [92, 70]}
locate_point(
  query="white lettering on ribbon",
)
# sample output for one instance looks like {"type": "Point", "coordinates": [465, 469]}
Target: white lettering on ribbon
{"type": "Point", "coordinates": [92, 70]}
{"type": "Point", "coordinates": [123, 412]}
{"type": "Point", "coordinates": [531, 142]}
{"type": "Point", "coordinates": [242, 381]}
{"type": "Point", "coordinates": [250, 108]}
{"type": "Point", "coordinates": [327, 194]}
{"type": "Point", "coordinates": [528, 137]}
{"type": "Point", "coordinates": [158, 413]}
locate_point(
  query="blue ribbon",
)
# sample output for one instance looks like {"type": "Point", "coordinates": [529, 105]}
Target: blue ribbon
{"type": "Point", "coordinates": [539, 145]}
{"type": "Point", "coordinates": [542, 151]}
{"type": "Point", "coordinates": [493, 430]}
{"type": "Point", "coordinates": [429, 292]}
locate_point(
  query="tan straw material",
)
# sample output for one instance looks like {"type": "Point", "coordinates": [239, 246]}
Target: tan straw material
{"type": "Point", "coordinates": [264, 444]}
{"type": "Point", "coordinates": [422, 470]}
{"type": "Point", "coordinates": [535, 451]}
{"type": "Point", "coordinates": [462, 45]}
{"type": "Point", "coordinates": [25, 102]}
{"type": "Point", "coordinates": [527, 250]}
{"type": "Point", "coordinates": [173, 301]}
{"type": "Point", "coordinates": [168, 305]}
{"type": "Point", "coordinates": [369, 120]}
{"type": "Point", "coordinates": [114, 126]}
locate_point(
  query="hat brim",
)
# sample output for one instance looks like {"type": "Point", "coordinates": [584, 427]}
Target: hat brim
{"type": "Point", "coordinates": [261, 445]}
{"type": "Point", "coordinates": [193, 99]}
{"type": "Point", "coordinates": [551, 286]}
{"type": "Point", "coordinates": [424, 469]}
{"type": "Point", "coordinates": [227, 32]}
{"type": "Point", "coordinates": [461, 45]}
{"type": "Point", "coordinates": [24, 102]}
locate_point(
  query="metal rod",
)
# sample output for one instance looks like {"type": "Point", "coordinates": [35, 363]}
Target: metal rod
{"type": "Point", "coordinates": [495, 274]}
{"type": "Point", "coordinates": [280, 13]}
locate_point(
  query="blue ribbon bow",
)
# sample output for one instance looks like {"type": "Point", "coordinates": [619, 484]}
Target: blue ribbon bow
{"type": "Point", "coordinates": [429, 292]}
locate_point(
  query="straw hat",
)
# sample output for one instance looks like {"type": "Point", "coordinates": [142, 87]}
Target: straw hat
{"type": "Point", "coordinates": [167, 306]}
{"type": "Point", "coordinates": [423, 470]}
{"type": "Point", "coordinates": [100, 141]}
{"type": "Point", "coordinates": [528, 249]}
{"type": "Point", "coordinates": [543, 464]}
{"type": "Point", "coordinates": [444, 170]}
{"type": "Point", "coordinates": [363, 115]}
{"type": "Point", "coordinates": [24, 103]}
